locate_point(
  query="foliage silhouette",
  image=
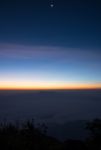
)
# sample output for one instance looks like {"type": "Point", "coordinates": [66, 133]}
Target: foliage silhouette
{"type": "Point", "coordinates": [29, 137]}
{"type": "Point", "coordinates": [95, 139]}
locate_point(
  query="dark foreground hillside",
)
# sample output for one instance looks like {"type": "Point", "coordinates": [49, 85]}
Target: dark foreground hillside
{"type": "Point", "coordinates": [28, 137]}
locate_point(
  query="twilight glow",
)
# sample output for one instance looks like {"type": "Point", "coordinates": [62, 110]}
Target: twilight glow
{"type": "Point", "coordinates": [50, 48]}
{"type": "Point", "coordinates": [48, 67]}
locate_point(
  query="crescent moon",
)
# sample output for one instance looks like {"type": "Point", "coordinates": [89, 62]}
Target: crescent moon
{"type": "Point", "coordinates": [51, 5]}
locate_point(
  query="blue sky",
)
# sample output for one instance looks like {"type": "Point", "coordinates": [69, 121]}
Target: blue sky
{"type": "Point", "coordinates": [59, 44]}
{"type": "Point", "coordinates": [49, 64]}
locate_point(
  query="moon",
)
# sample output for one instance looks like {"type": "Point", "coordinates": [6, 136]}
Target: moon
{"type": "Point", "coordinates": [51, 5]}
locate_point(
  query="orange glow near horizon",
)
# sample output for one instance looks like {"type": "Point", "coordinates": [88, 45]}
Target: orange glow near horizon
{"type": "Point", "coordinates": [47, 86]}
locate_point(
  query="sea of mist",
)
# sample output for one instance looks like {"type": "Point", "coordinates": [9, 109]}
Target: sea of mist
{"type": "Point", "coordinates": [57, 108]}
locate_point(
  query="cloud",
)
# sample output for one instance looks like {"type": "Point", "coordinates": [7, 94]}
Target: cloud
{"type": "Point", "coordinates": [41, 52]}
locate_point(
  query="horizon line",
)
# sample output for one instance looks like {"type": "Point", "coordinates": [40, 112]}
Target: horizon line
{"type": "Point", "coordinates": [47, 89]}
{"type": "Point", "coordinates": [46, 86]}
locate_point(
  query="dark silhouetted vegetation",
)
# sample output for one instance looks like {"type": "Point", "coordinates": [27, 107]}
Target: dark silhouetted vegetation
{"type": "Point", "coordinates": [29, 137]}
{"type": "Point", "coordinates": [94, 141]}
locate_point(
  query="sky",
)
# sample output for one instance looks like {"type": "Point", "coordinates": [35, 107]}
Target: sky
{"type": "Point", "coordinates": [44, 47]}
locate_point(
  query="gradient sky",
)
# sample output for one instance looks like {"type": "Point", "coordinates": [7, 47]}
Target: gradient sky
{"type": "Point", "coordinates": [44, 47]}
